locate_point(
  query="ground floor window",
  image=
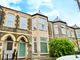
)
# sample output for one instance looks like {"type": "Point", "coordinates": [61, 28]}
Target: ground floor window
{"type": "Point", "coordinates": [9, 45]}
{"type": "Point", "coordinates": [35, 44]}
{"type": "Point", "coordinates": [43, 45]}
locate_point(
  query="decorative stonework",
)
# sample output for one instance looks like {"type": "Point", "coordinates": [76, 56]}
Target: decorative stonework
{"type": "Point", "coordinates": [29, 38]}
{"type": "Point", "coordinates": [17, 21]}
{"type": "Point", "coordinates": [2, 34]}
{"type": "Point", "coordinates": [29, 24]}
{"type": "Point", "coordinates": [2, 13]}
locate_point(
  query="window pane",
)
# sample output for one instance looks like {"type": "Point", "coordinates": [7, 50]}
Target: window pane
{"type": "Point", "coordinates": [34, 24]}
{"type": "Point", "coordinates": [43, 47]}
{"type": "Point", "coordinates": [23, 23]}
{"type": "Point", "coordinates": [9, 45]}
{"type": "Point", "coordinates": [43, 39]}
{"type": "Point", "coordinates": [78, 34]}
{"type": "Point", "coordinates": [0, 17]}
{"type": "Point", "coordinates": [68, 32]}
{"type": "Point", "coordinates": [72, 34]}
{"type": "Point", "coordinates": [35, 47]}
{"type": "Point", "coordinates": [63, 30]}
{"type": "Point", "coordinates": [10, 20]}
{"type": "Point", "coordinates": [56, 29]}
{"type": "Point", "coordinates": [42, 24]}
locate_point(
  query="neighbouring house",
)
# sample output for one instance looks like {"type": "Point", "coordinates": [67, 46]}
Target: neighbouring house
{"type": "Point", "coordinates": [60, 29]}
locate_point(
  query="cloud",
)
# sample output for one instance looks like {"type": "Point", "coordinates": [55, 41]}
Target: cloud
{"type": "Point", "coordinates": [7, 3]}
{"type": "Point", "coordinates": [45, 6]}
{"type": "Point", "coordinates": [35, 4]}
{"type": "Point", "coordinates": [52, 14]}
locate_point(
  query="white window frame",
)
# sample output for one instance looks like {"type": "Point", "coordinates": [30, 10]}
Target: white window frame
{"type": "Point", "coordinates": [36, 46]}
{"type": "Point", "coordinates": [63, 30]}
{"type": "Point", "coordinates": [44, 42]}
{"type": "Point", "coordinates": [56, 30]}
{"type": "Point", "coordinates": [21, 25]}
{"type": "Point", "coordinates": [34, 23]}
{"type": "Point", "coordinates": [9, 22]}
{"type": "Point", "coordinates": [68, 33]}
{"type": "Point", "coordinates": [78, 33]}
{"type": "Point", "coordinates": [42, 21]}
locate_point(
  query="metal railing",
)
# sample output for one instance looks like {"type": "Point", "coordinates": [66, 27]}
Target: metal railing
{"type": "Point", "coordinates": [14, 56]}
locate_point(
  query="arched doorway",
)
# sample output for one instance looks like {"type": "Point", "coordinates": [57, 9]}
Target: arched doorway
{"type": "Point", "coordinates": [8, 47]}
{"type": "Point", "coordinates": [22, 48]}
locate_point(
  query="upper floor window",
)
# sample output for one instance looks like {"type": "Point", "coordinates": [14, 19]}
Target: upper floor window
{"type": "Point", "coordinates": [56, 29]}
{"type": "Point", "coordinates": [72, 34]}
{"type": "Point", "coordinates": [10, 18]}
{"type": "Point", "coordinates": [68, 33]}
{"type": "Point", "coordinates": [63, 29]}
{"type": "Point", "coordinates": [78, 34]}
{"type": "Point", "coordinates": [23, 23]}
{"type": "Point", "coordinates": [42, 24]}
{"type": "Point", "coordinates": [34, 24]}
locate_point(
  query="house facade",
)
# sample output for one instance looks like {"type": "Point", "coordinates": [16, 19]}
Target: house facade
{"type": "Point", "coordinates": [15, 33]}
{"type": "Point", "coordinates": [22, 33]}
{"type": "Point", "coordinates": [40, 36]}
{"type": "Point", "coordinates": [28, 35]}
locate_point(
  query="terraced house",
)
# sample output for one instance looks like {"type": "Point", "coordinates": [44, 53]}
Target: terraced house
{"type": "Point", "coordinates": [60, 29]}
{"type": "Point", "coordinates": [40, 35]}
{"type": "Point", "coordinates": [23, 34]}
{"type": "Point", "coordinates": [26, 36]}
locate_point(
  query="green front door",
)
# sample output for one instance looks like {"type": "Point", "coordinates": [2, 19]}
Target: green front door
{"type": "Point", "coordinates": [22, 50]}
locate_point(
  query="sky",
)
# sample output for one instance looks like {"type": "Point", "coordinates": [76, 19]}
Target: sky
{"type": "Point", "coordinates": [66, 10]}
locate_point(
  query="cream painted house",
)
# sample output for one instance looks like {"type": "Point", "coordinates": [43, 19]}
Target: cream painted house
{"type": "Point", "coordinates": [40, 36]}
{"type": "Point", "coordinates": [28, 35]}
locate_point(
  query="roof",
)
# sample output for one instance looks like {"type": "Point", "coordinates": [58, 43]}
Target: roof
{"type": "Point", "coordinates": [76, 27]}
{"type": "Point", "coordinates": [39, 13]}
{"type": "Point", "coordinates": [57, 19]}
{"type": "Point", "coordinates": [14, 10]}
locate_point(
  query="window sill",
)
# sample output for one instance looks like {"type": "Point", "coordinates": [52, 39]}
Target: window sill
{"type": "Point", "coordinates": [35, 53]}
{"type": "Point", "coordinates": [41, 53]}
{"type": "Point", "coordinates": [44, 53]}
